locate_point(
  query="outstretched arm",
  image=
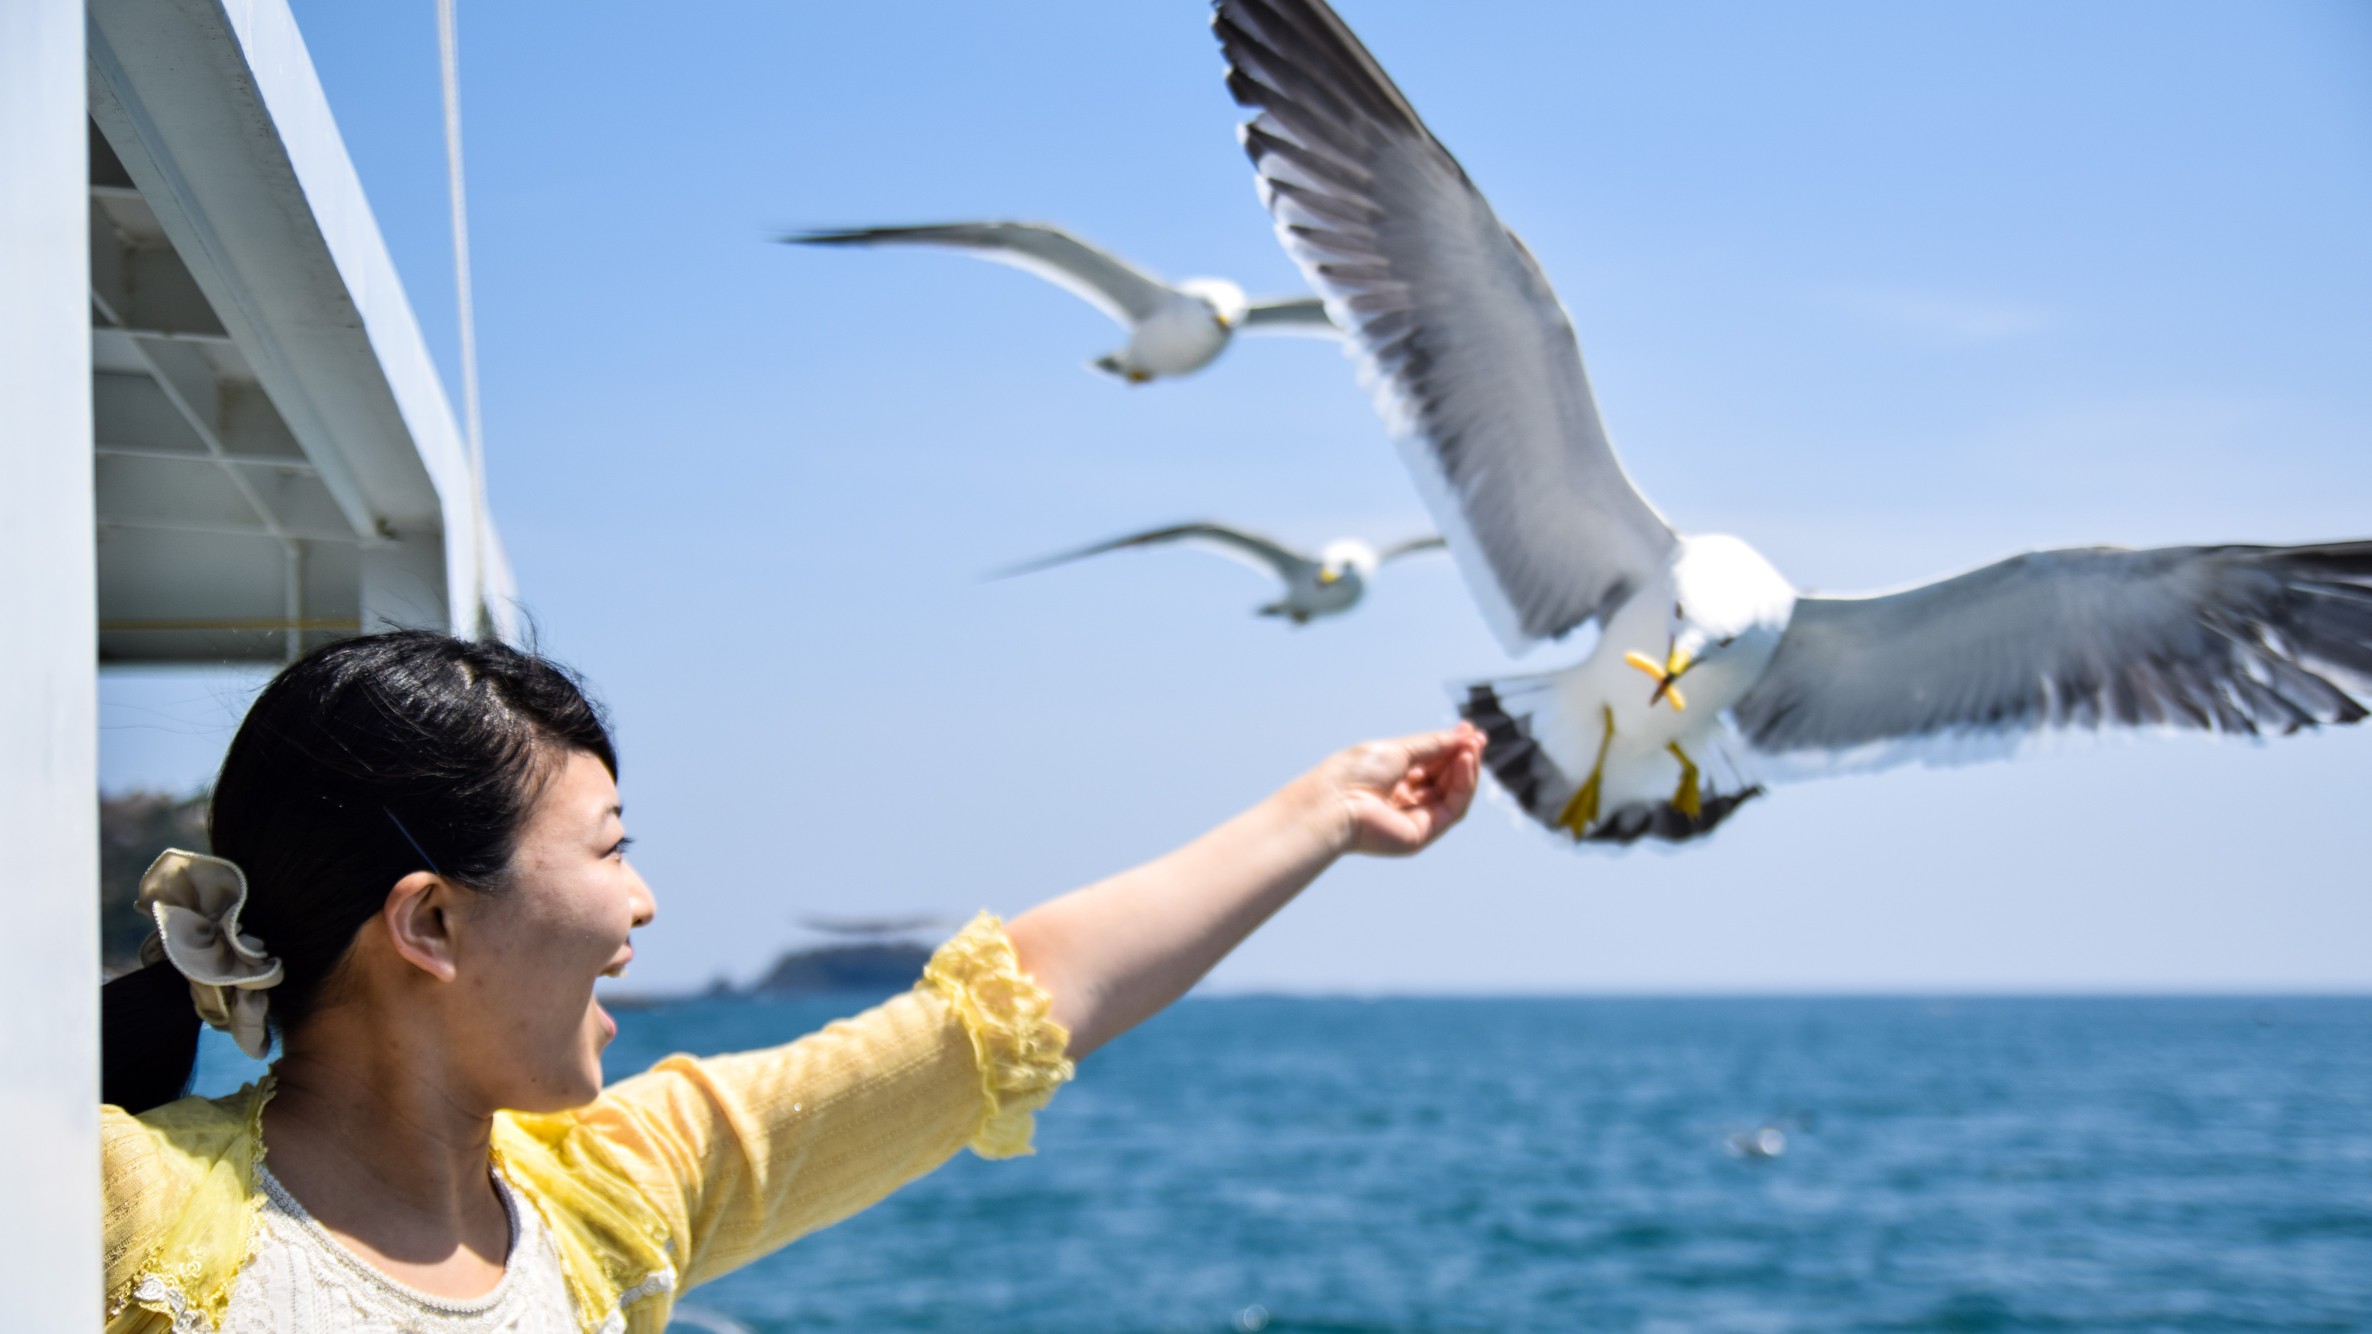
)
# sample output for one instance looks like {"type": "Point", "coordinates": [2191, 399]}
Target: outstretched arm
{"type": "Point", "coordinates": [739, 1154]}
{"type": "Point", "coordinates": [1113, 954]}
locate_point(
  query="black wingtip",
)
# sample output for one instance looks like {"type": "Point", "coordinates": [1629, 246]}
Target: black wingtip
{"type": "Point", "coordinates": [1667, 823]}
{"type": "Point", "coordinates": [1508, 749]}
{"type": "Point", "coordinates": [836, 235]}
{"type": "Point", "coordinates": [909, 231]}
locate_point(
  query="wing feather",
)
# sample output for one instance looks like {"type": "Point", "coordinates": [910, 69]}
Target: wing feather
{"type": "Point", "coordinates": [1104, 280]}
{"type": "Point", "coordinates": [1303, 317]}
{"type": "Point", "coordinates": [1409, 548]}
{"type": "Point", "coordinates": [1249, 548]}
{"type": "Point", "coordinates": [2244, 639]}
{"type": "Point", "coordinates": [1472, 362]}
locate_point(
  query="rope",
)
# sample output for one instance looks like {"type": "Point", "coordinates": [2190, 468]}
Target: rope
{"type": "Point", "coordinates": [449, 63]}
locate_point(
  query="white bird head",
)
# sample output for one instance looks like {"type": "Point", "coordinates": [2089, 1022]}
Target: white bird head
{"type": "Point", "coordinates": [1226, 300]}
{"type": "Point", "coordinates": [1722, 588]}
{"type": "Point", "coordinates": [1724, 596]}
{"type": "Point", "coordinates": [1345, 558]}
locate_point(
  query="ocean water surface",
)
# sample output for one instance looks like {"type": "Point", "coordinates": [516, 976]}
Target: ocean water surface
{"type": "Point", "coordinates": [1575, 1164]}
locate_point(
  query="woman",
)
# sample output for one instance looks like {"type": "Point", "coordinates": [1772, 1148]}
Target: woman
{"type": "Point", "coordinates": [421, 871]}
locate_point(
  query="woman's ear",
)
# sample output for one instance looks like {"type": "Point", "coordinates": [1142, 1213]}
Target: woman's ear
{"type": "Point", "coordinates": [419, 924]}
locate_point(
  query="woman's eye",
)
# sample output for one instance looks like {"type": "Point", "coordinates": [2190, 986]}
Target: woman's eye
{"type": "Point", "coordinates": [618, 849]}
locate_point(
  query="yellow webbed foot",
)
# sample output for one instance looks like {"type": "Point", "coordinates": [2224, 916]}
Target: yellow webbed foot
{"type": "Point", "coordinates": [1689, 798]}
{"type": "Point", "coordinates": [1582, 810]}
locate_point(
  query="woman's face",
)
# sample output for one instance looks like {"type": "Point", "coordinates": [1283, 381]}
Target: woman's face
{"type": "Point", "coordinates": [531, 952]}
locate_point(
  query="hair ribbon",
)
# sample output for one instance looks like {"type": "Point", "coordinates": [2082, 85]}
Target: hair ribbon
{"type": "Point", "coordinates": [195, 901]}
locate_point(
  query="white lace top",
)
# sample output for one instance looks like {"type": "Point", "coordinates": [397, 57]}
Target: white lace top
{"type": "Point", "coordinates": [300, 1278]}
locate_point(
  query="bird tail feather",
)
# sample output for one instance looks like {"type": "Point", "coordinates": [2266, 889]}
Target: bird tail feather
{"type": "Point", "coordinates": [1513, 712]}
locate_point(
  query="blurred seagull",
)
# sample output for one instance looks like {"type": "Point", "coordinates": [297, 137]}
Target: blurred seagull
{"type": "Point", "coordinates": [1475, 367]}
{"type": "Point", "coordinates": [871, 926]}
{"type": "Point", "coordinates": [1764, 1142]}
{"type": "Point", "coordinates": [1327, 584]}
{"type": "Point", "coordinates": [1768, 1140]}
{"type": "Point", "coordinates": [1172, 330]}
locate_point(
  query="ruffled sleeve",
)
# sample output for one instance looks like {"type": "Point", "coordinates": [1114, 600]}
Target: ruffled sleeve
{"type": "Point", "coordinates": [180, 1208]}
{"type": "Point", "coordinates": [1015, 1041]}
{"type": "Point", "coordinates": [741, 1154]}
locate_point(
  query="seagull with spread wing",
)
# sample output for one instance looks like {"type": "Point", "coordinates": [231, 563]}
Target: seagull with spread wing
{"type": "Point", "coordinates": [1173, 329]}
{"type": "Point", "coordinates": [1475, 368]}
{"type": "Point", "coordinates": [1326, 584]}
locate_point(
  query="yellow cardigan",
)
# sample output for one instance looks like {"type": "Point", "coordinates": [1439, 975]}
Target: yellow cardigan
{"type": "Point", "coordinates": [666, 1180]}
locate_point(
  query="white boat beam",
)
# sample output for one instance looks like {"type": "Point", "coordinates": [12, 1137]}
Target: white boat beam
{"type": "Point", "coordinates": [49, 725]}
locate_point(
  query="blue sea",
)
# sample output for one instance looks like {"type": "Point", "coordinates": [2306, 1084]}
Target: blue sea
{"type": "Point", "coordinates": [1575, 1164]}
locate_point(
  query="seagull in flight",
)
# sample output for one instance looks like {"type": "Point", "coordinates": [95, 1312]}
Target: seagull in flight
{"type": "Point", "coordinates": [1709, 668]}
{"type": "Point", "coordinates": [1326, 584]}
{"type": "Point", "coordinates": [1173, 329]}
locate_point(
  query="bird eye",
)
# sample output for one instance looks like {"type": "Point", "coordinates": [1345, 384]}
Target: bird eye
{"type": "Point", "coordinates": [1726, 642]}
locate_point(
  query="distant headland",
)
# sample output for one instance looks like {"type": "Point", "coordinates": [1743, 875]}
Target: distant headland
{"type": "Point", "coordinates": [879, 968]}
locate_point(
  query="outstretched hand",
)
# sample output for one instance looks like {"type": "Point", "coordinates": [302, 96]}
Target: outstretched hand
{"type": "Point", "coordinates": [1400, 795]}
{"type": "Point", "coordinates": [1117, 951]}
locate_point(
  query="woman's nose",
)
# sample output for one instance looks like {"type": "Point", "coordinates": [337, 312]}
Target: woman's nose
{"type": "Point", "coordinates": [646, 906]}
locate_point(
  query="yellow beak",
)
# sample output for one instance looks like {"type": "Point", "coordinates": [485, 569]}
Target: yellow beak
{"type": "Point", "coordinates": [1666, 674]}
{"type": "Point", "coordinates": [1326, 577]}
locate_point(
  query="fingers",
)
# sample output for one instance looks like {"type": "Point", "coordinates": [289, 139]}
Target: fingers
{"type": "Point", "coordinates": [1436, 791]}
{"type": "Point", "coordinates": [1420, 785]}
{"type": "Point", "coordinates": [1426, 757]}
{"type": "Point", "coordinates": [1427, 750]}
{"type": "Point", "coordinates": [1448, 794]}
{"type": "Point", "coordinates": [1452, 764]}
{"type": "Point", "coordinates": [1465, 779]}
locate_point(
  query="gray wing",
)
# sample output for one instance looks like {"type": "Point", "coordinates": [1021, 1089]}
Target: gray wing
{"type": "Point", "coordinates": [1409, 548]}
{"type": "Point", "coordinates": [1303, 317]}
{"type": "Point", "coordinates": [1249, 548]}
{"type": "Point", "coordinates": [1471, 360]}
{"type": "Point", "coordinates": [1111, 284]}
{"type": "Point", "coordinates": [2227, 639]}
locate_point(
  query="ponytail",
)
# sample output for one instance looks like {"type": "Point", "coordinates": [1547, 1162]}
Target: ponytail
{"type": "Point", "coordinates": [148, 1036]}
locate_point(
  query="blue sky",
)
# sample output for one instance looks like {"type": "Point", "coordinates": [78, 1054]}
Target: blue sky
{"type": "Point", "coordinates": [1889, 290]}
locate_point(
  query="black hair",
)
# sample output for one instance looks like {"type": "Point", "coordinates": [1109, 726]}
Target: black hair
{"type": "Point", "coordinates": [360, 763]}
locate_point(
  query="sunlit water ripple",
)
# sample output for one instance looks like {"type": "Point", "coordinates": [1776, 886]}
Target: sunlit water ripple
{"type": "Point", "coordinates": [1437, 1165]}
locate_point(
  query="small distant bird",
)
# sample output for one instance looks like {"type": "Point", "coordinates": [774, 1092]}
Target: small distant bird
{"type": "Point", "coordinates": [1475, 367]}
{"type": "Point", "coordinates": [871, 926]}
{"type": "Point", "coordinates": [1327, 584]}
{"type": "Point", "coordinates": [1768, 1140]}
{"type": "Point", "coordinates": [1172, 329]}
{"type": "Point", "coordinates": [1762, 1142]}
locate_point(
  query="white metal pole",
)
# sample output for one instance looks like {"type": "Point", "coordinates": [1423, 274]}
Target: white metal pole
{"type": "Point", "coordinates": [465, 307]}
{"type": "Point", "coordinates": [49, 757]}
